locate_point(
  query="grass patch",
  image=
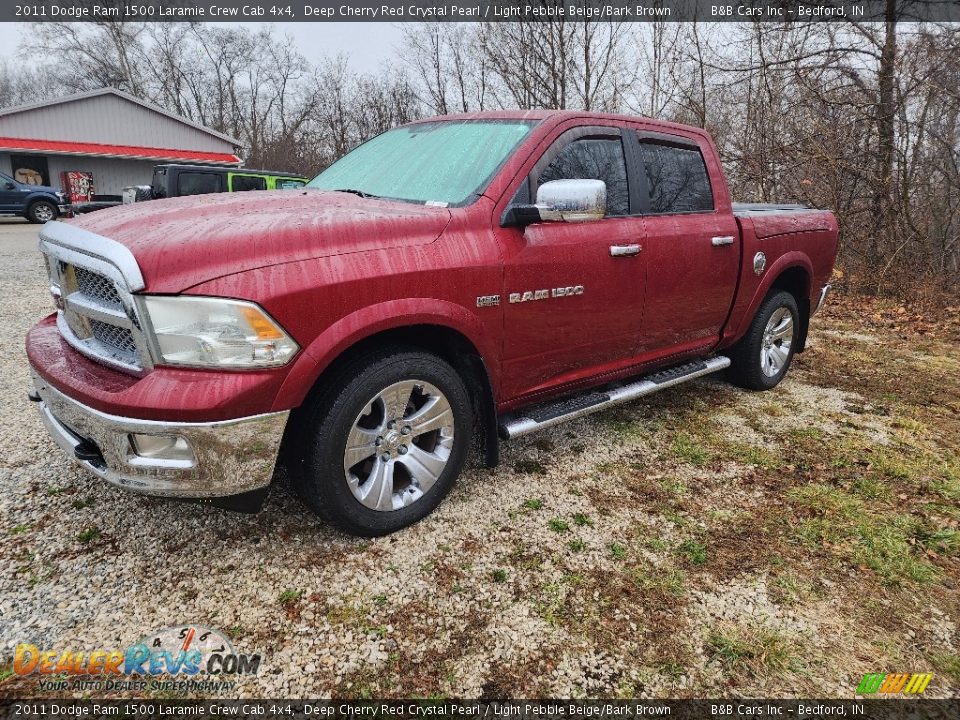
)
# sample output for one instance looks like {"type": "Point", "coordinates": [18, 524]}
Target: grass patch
{"type": "Point", "coordinates": [533, 504]}
{"type": "Point", "coordinates": [82, 503]}
{"type": "Point", "coordinates": [577, 545]}
{"type": "Point", "coordinates": [655, 544]}
{"type": "Point", "coordinates": [755, 651]}
{"type": "Point", "coordinates": [943, 542]}
{"type": "Point", "coordinates": [687, 449]}
{"type": "Point", "coordinates": [948, 664]}
{"type": "Point", "coordinates": [499, 575]}
{"type": "Point", "coordinates": [673, 486]}
{"type": "Point", "coordinates": [694, 551]}
{"type": "Point", "coordinates": [884, 542]}
{"type": "Point", "coordinates": [582, 520]}
{"type": "Point", "coordinates": [558, 525]}
{"type": "Point", "coordinates": [288, 597]}
{"type": "Point", "coordinates": [618, 551]}
{"type": "Point", "coordinates": [88, 535]}
{"type": "Point", "coordinates": [751, 455]}
{"type": "Point", "coordinates": [669, 581]}
{"type": "Point", "coordinates": [529, 467]}
{"type": "Point", "coordinates": [19, 529]}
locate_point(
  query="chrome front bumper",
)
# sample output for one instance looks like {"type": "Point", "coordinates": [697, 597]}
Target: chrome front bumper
{"type": "Point", "coordinates": [230, 457]}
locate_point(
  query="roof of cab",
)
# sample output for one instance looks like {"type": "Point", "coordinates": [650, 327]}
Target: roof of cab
{"type": "Point", "coordinates": [558, 116]}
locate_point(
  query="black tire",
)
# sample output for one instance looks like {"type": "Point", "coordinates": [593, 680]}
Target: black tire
{"type": "Point", "coordinates": [317, 456]}
{"type": "Point", "coordinates": [41, 211]}
{"type": "Point", "coordinates": [748, 357]}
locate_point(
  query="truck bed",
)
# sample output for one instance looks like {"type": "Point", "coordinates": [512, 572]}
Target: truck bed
{"type": "Point", "coordinates": [744, 209]}
{"type": "Point", "coordinates": [769, 219]}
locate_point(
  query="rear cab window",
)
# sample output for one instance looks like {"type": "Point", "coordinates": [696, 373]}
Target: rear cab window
{"type": "Point", "coordinates": [676, 177]}
{"type": "Point", "coordinates": [289, 184]}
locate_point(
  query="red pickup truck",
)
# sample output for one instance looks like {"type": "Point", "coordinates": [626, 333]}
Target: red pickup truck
{"type": "Point", "coordinates": [452, 282]}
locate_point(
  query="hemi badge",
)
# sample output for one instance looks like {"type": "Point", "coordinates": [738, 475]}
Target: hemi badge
{"type": "Point", "coordinates": [488, 301]}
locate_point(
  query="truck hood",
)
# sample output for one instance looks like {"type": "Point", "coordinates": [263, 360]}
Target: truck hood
{"type": "Point", "coordinates": [182, 242]}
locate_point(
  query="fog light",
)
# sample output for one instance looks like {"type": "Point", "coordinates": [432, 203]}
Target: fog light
{"type": "Point", "coordinates": [172, 448]}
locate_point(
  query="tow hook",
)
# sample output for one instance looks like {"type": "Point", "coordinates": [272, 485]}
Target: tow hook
{"type": "Point", "coordinates": [86, 451]}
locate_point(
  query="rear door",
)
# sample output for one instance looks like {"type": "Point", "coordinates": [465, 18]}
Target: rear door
{"type": "Point", "coordinates": [692, 244]}
{"type": "Point", "coordinates": [573, 292]}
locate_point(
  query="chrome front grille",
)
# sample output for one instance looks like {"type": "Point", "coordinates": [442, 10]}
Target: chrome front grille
{"type": "Point", "coordinates": [98, 287]}
{"type": "Point", "coordinates": [98, 312]}
{"type": "Point", "coordinates": [118, 338]}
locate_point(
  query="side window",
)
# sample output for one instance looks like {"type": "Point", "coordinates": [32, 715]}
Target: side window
{"type": "Point", "coordinates": [198, 183]}
{"type": "Point", "coordinates": [677, 178]}
{"type": "Point", "coordinates": [286, 184]}
{"type": "Point", "coordinates": [594, 159]}
{"type": "Point", "coordinates": [241, 183]}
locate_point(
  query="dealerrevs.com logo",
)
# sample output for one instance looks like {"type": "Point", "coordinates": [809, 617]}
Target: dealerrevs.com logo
{"type": "Point", "coordinates": [894, 683]}
{"type": "Point", "coordinates": [199, 658]}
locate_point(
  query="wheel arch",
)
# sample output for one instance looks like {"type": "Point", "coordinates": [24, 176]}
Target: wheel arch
{"type": "Point", "coordinates": [32, 200]}
{"type": "Point", "coordinates": [445, 330]}
{"type": "Point", "coordinates": [792, 272]}
{"type": "Point", "coordinates": [797, 280]}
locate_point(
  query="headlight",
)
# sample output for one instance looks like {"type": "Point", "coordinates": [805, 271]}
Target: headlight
{"type": "Point", "coordinates": [214, 332]}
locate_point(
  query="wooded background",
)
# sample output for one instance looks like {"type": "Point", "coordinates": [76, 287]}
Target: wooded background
{"type": "Point", "coordinates": [863, 119]}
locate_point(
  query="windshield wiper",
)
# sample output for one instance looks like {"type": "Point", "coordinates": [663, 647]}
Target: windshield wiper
{"type": "Point", "coordinates": [359, 193]}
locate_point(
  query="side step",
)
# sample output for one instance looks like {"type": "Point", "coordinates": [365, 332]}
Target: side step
{"type": "Point", "coordinates": [538, 417]}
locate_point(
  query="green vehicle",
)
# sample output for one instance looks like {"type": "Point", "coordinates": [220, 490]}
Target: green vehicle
{"type": "Point", "coordinates": [176, 180]}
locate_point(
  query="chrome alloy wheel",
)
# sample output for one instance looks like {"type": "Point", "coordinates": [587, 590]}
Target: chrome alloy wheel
{"type": "Point", "coordinates": [43, 213]}
{"type": "Point", "coordinates": [399, 445]}
{"type": "Point", "coordinates": [777, 339]}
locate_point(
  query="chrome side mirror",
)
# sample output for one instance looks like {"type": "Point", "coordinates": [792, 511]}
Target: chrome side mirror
{"type": "Point", "coordinates": [572, 201]}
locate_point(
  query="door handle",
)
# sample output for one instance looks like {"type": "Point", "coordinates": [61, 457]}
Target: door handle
{"type": "Point", "coordinates": [624, 250]}
{"type": "Point", "coordinates": [721, 240]}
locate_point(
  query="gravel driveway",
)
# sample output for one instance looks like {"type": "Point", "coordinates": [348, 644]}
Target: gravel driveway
{"type": "Point", "coordinates": [668, 548]}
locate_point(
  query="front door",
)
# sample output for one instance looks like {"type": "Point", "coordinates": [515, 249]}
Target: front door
{"type": "Point", "coordinates": [11, 195]}
{"type": "Point", "coordinates": [572, 292]}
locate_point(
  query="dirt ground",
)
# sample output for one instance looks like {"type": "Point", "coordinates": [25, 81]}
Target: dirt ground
{"type": "Point", "coordinates": [704, 542]}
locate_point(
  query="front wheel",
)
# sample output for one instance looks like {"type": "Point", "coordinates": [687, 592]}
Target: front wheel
{"type": "Point", "coordinates": [41, 211]}
{"type": "Point", "coordinates": [761, 359]}
{"type": "Point", "coordinates": [383, 446]}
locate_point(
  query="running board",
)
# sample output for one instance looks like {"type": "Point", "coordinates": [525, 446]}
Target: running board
{"type": "Point", "coordinates": [538, 417]}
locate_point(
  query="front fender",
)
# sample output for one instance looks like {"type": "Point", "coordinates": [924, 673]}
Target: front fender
{"type": "Point", "coordinates": [34, 196]}
{"type": "Point", "coordinates": [368, 321]}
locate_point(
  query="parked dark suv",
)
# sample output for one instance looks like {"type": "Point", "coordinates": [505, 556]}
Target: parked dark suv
{"type": "Point", "coordinates": [37, 203]}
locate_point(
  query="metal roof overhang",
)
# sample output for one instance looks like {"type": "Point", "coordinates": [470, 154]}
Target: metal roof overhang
{"type": "Point", "coordinates": [126, 152]}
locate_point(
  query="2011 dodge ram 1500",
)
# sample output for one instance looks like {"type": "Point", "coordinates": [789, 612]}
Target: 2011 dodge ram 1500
{"type": "Point", "coordinates": [462, 278]}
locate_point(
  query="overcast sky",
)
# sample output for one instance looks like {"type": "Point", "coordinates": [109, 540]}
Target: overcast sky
{"type": "Point", "coordinates": [368, 44]}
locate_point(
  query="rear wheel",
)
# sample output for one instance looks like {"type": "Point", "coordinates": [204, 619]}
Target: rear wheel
{"type": "Point", "coordinates": [41, 211]}
{"type": "Point", "coordinates": [761, 359]}
{"type": "Point", "coordinates": [385, 444]}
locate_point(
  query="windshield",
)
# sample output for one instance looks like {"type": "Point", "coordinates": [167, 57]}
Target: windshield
{"type": "Point", "coordinates": [440, 162]}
